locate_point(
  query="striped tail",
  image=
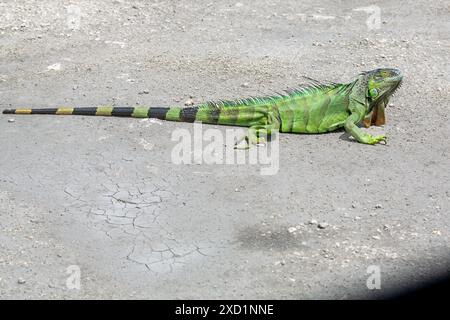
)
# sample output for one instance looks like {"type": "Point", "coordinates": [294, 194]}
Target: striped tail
{"type": "Point", "coordinates": [171, 114]}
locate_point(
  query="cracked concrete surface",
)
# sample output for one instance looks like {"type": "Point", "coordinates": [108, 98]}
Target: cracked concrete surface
{"type": "Point", "coordinates": [103, 194]}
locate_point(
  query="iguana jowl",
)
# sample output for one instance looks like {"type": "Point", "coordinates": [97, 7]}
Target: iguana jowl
{"type": "Point", "coordinates": [316, 108]}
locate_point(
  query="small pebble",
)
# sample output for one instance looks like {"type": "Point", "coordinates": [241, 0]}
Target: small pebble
{"type": "Point", "coordinates": [313, 221]}
{"type": "Point", "coordinates": [21, 281]}
{"type": "Point", "coordinates": [281, 262]}
{"type": "Point", "coordinates": [378, 206]}
{"type": "Point", "coordinates": [11, 120]}
{"type": "Point", "coordinates": [292, 229]}
{"type": "Point", "coordinates": [189, 102]}
{"type": "Point", "coordinates": [322, 225]}
{"type": "Point", "coordinates": [54, 67]}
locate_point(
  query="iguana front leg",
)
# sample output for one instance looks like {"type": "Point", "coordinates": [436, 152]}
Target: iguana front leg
{"type": "Point", "coordinates": [357, 114]}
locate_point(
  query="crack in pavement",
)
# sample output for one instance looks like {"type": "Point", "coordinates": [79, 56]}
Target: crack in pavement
{"type": "Point", "coordinates": [137, 207]}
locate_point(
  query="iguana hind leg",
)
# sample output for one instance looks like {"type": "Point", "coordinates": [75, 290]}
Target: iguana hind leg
{"type": "Point", "coordinates": [257, 134]}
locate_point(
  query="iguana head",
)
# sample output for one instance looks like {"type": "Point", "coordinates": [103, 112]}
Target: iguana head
{"type": "Point", "coordinates": [381, 84]}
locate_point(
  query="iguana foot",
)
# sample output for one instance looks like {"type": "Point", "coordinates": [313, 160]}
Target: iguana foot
{"type": "Point", "coordinates": [256, 136]}
{"type": "Point", "coordinates": [377, 139]}
{"type": "Point", "coordinates": [242, 144]}
{"type": "Point", "coordinates": [248, 141]}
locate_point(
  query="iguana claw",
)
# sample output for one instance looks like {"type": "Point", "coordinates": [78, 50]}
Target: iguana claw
{"type": "Point", "coordinates": [378, 139]}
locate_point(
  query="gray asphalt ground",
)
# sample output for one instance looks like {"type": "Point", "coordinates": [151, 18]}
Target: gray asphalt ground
{"type": "Point", "coordinates": [101, 197]}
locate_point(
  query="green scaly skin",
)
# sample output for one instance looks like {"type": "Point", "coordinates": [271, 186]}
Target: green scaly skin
{"type": "Point", "coordinates": [317, 108]}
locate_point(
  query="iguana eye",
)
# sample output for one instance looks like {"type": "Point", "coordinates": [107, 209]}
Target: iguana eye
{"type": "Point", "coordinates": [373, 92]}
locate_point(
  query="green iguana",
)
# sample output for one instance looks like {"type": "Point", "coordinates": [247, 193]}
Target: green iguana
{"type": "Point", "coordinates": [315, 108]}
